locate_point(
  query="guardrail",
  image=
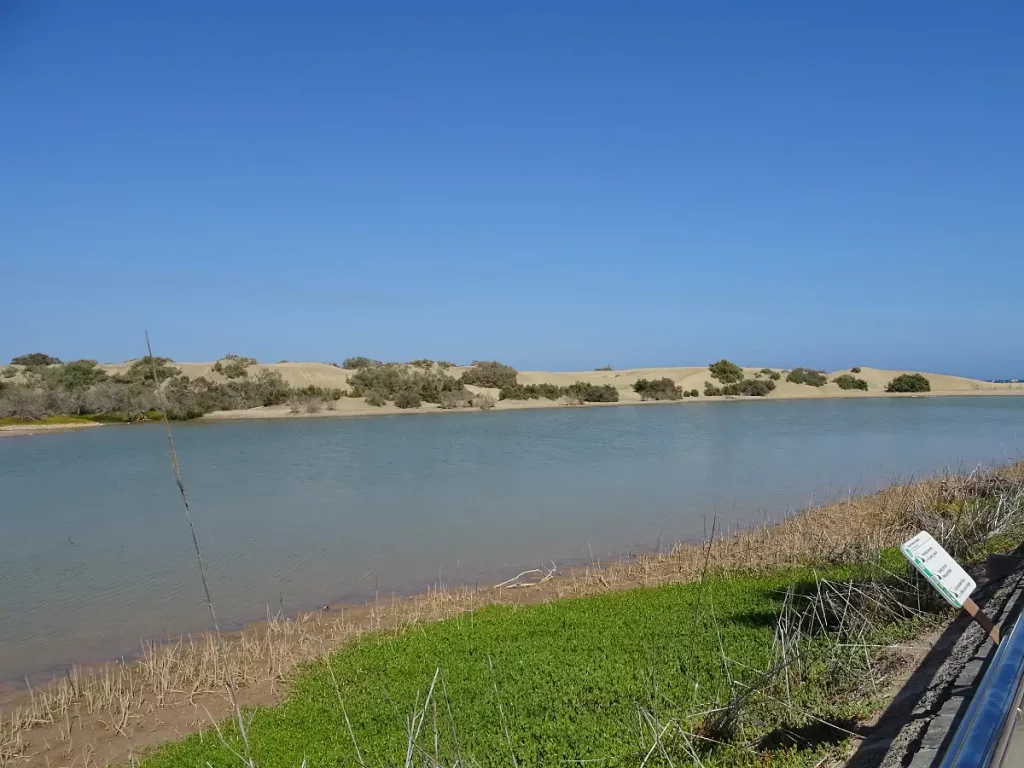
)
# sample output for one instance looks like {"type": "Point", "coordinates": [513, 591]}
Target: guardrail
{"type": "Point", "coordinates": [984, 734]}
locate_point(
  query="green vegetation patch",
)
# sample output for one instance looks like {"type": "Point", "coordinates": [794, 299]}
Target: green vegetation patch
{"type": "Point", "coordinates": [909, 382]}
{"type": "Point", "coordinates": [34, 359]}
{"type": "Point", "coordinates": [580, 392]}
{"type": "Point", "coordinates": [490, 373]}
{"type": "Point", "coordinates": [807, 376]}
{"type": "Point", "coordinates": [234, 366]}
{"type": "Point", "coordinates": [742, 388]}
{"type": "Point", "coordinates": [530, 392]}
{"type": "Point", "coordinates": [585, 392]}
{"type": "Point", "coordinates": [846, 381]}
{"type": "Point", "coordinates": [550, 683]}
{"type": "Point", "coordinates": [355, 363]}
{"type": "Point", "coordinates": [149, 369]}
{"type": "Point", "coordinates": [726, 372]}
{"type": "Point", "coordinates": [407, 386]}
{"type": "Point", "coordinates": [658, 389]}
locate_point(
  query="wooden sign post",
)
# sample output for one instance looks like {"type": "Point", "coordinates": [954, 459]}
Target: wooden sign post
{"type": "Point", "coordinates": [947, 576]}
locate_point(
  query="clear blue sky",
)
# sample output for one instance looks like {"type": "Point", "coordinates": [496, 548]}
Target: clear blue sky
{"type": "Point", "coordinates": [553, 184]}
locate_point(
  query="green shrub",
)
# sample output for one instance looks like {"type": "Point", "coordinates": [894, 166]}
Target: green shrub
{"type": "Point", "coordinates": [10, 372]}
{"type": "Point", "coordinates": [607, 367]}
{"type": "Point", "coordinates": [846, 381]}
{"type": "Point", "coordinates": [324, 393]}
{"type": "Point", "coordinates": [35, 359]}
{"type": "Point", "coordinates": [585, 392]}
{"type": "Point", "coordinates": [232, 369]}
{"type": "Point", "coordinates": [444, 365]}
{"type": "Point", "coordinates": [233, 366]}
{"type": "Point", "coordinates": [749, 387]}
{"type": "Point", "coordinates": [657, 389]}
{"type": "Point", "coordinates": [388, 379]}
{"type": "Point", "coordinates": [686, 393]}
{"type": "Point", "coordinates": [375, 398]}
{"type": "Point", "coordinates": [726, 372]}
{"type": "Point", "coordinates": [78, 376]}
{"type": "Point", "coordinates": [422, 363]}
{"type": "Point", "coordinates": [909, 382]}
{"type": "Point", "coordinates": [265, 388]}
{"type": "Point", "coordinates": [490, 374]}
{"type": "Point", "coordinates": [355, 363]}
{"type": "Point", "coordinates": [710, 390]}
{"type": "Point", "coordinates": [773, 375]}
{"type": "Point", "coordinates": [188, 399]}
{"type": "Point", "coordinates": [433, 384]}
{"type": "Point", "coordinates": [408, 398]}
{"type": "Point", "coordinates": [530, 392]}
{"type": "Point", "coordinates": [149, 369]}
{"type": "Point", "coordinates": [807, 376]}
{"type": "Point", "coordinates": [694, 392]}
{"type": "Point", "coordinates": [855, 369]}
{"type": "Point", "coordinates": [385, 379]}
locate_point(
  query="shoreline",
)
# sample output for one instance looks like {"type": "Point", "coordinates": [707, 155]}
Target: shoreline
{"type": "Point", "coordinates": [366, 411]}
{"type": "Point", "coordinates": [13, 430]}
{"type": "Point", "coordinates": [361, 410]}
{"type": "Point", "coordinates": [174, 688]}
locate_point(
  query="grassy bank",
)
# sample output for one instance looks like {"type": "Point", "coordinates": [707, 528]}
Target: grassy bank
{"type": "Point", "coordinates": [602, 678]}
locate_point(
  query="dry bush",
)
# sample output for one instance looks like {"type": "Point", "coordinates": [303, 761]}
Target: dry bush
{"type": "Point", "coordinates": [483, 401]}
{"type": "Point", "coordinates": [459, 399]}
{"type": "Point", "coordinates": [306, 403]}
{"type": "Point", "coordinates": [22, 402]}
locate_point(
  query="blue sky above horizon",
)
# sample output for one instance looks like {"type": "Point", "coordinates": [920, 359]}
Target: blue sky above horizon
{"type": "Point", "coordinates": [555, 185]}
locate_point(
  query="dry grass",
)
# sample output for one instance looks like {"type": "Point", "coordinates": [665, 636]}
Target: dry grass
{"type": "Point", "coordinates": [91, 709]}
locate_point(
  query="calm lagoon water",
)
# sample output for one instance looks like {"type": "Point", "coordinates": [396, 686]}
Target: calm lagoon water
{"type": "Point", "coordinates": [95, 553]}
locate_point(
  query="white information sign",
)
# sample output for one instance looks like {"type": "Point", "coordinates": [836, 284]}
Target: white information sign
{"type": "Point", "coordinates": [936, 565]}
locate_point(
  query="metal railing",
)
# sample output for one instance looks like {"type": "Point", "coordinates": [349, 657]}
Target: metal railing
{"type": "Point", "coordinates": [984, 734]}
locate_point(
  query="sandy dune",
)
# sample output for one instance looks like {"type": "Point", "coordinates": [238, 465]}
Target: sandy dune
{"type": "Point", "coordinates": [694, 377]}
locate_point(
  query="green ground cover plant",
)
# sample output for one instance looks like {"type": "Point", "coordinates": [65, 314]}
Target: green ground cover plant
{"type": "Point", "coordinates": [565, 681]}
